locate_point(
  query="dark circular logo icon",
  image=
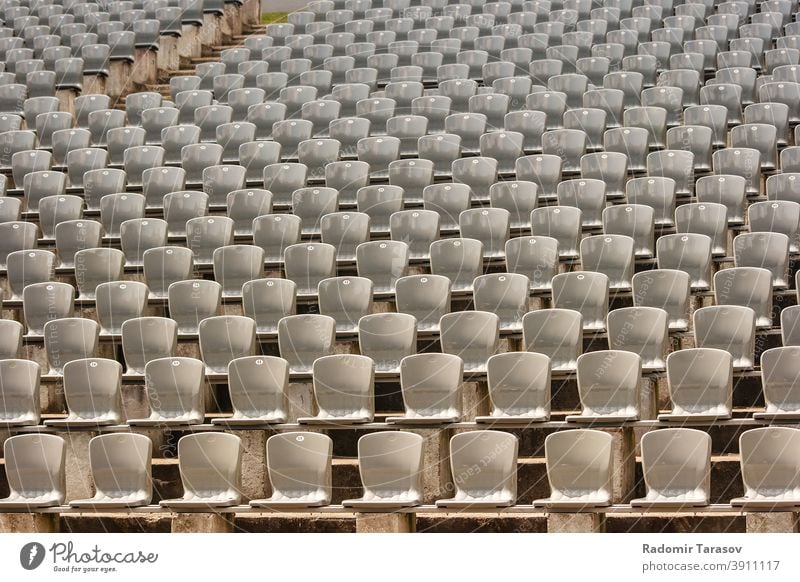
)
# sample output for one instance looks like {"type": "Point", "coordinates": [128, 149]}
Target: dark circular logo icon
{"type": "Point", "coordinates": [31, 555]}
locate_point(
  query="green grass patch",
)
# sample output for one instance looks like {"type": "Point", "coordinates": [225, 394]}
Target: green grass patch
{"type": "Point", "coordinates": [270, 17]}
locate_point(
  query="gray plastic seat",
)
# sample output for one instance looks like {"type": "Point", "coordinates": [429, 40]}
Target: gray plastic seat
{"type": "Point", "coordinates": [117, 302]}
{"type": "Point", "coordinates": [98, 265]}
{"type": "Point", "coordinates": [191, 301]}
{"type": "Point", "coordinates": [266, 301]}
{"type": "Point", "coordinates": [585, 292]}
{"type": "Point", "coordinates": [92, 391]}
{"type": "Point", "coordinates": [767, 250]}
{"type": "Point", "coordinates": [727, 327]}
{"type": "Point", "coordinates": [387, 338]}
{"type": "Point", "coordinates": [562, 223]}
{"type": "Point", "coordinates": [210, 468]}
{"type": "Point", "coordinates": [769, 468]}
{"type": "Point", "coordinates": [138, 235]}
{"type": "Point", "coordinates": [448, 200]}
{"type": "Point", "coordinates": [608, 386]}
{"type": "Point", "coordinates": [275, 233]}
{"type": "Point", "coordinates": [390, 465]}
{"type": "Point", "coordinates": [195, 158]}
{"type": "Point", "coordinates": [258, 387]}
{"type": "Point", "coordinates": [219, 181]}
{"type": "Point", "coordinates": [182, 206]}
{"type": "Point", "coordinates": [705, 218]}
{"type": "Point", "coordinates": [579, 470]}
{"type": "Point", "coordinates": [145, 339]}
{"type": "Point", "coordinates": [781, 216]}
{"type": "Point", "coordinates": [687, 252]}
{"type": "Point", "coordinates": [244, 206]}
{"type": "Point", "coordinates": [309, 263]}
{"type": "Point", "coordinates": [676, 463]}
{"type": "Point", "coordinates": [304, 338]}
{"type": "Point", "coordinates": [19, 385]}
{"type": "Point", "coordinates": [15, 236]}
{"type": "Point", "coordinates": [346, 299]}
{"type": "Point", "coordinates": [35, 469]}
{"type": "Point", "coordinates": [471, 335]}
{"type": "Point", "coordinates": [460, 260]}
{"type": "Point", "coordinates": [608, 167]}
{"type": "Point", "coordinates": [519, 388]}
{"type": "Point", "coordinates": [28, 267]}
{"type": "Point", "coordinates": [224, 338]}
{"type": "Point", "coordinates": [748, 287]}
{"type": "Point", "coordinates": [426, 297]}
{"type": "Point", "coordinates": [120, 465]}
{"type": "Point", "coordinates": [299, 470]}
{"type": "Point", "coordinates": [610, 254]}
{"type": "Point", "coordinates": [204, 235]}
{"type": "Point", "coordinates": [778, 373]}
{"type": "Point", "coordinates": [431, 388]}
{"type": "Point", "coordinates": [727, 190]}
{"type": "Point", "coordinates": [283, 179]}
{"type": "Point", "coordinates": [343, 390]}
{"type": "Point", "coordinates": [176, 392]}
{"type": "Point", "coordinates": [496, 484]}
{"type": "Point", "coordinates": [344, 231]}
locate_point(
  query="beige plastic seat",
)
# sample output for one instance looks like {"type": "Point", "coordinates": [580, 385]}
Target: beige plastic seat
{"type": "Point", "coordinates": [92, 389]}
{"type": "Point", "coordinates": [495, 483]}
{"type": "Point", "coordinates": [211, 471]}
{"type": "Point", "coordinates": [117, 302]}
{"type": "Point", "coordinates": [431, 387]}
{"type": "Point", "coordinates": [299, 466]}
{"type": "Point", "coordinates": [700, 385]}
{"type": "Point", "coordinates": [10, 338]}
{"type": "Point", "coordinates": [579, 465]}
{"type": "Point", "coordinates": [67, 339]}
{"type": "Point", "coordinates": [746, 286]}
{"type": "Point", "coordinates": [426, 297]}
{"type": "Point", "coordinates": [258, 386]}
{"type": "Point", "coordinates": [344, 390]}
{"type": "Point", "coordinates": [770, 468]}
{"type": "Point", "coordinates": [612, 255]}
{"type": "Point", "coordinates": [120, 465]}
{"type": "Point", "coordinates": [519, 388]}
{"type": "Point", "coordinates": [192, 301]}
{"type": "Point", "coordinates": [666, 289]}
{"type": "Point", "coordinates": [608, 386]}
{"type": "Point", "coordinates": [687, 252]}
{"type": "Point", "coordinates": [304, 338]}
{"type": "Point", "coordinates": [145, 339]}
{"type": "Point", "coordinates": [767, 250]}
{"type": "Point", "coordinates": [175, 392]}
{"type": "Point", "coordinates": [779, 381]}
{"type": "Point", "coordinates": [641, 330]}
{"type": "Point", "coordinates": [387, 338]}
{"type": "Point", "coordinates": [555, 333]}
{"type": "Point", "coordinates": [346, 299]}
{"type": "Point", "coordinates": [790, 325]}
{"type": "Point", "coordinates": [676, 463]}
{"type": "Point", "coordinates": [472, 335]}
{"type": "Point", "coordinates": [390, 465]}
{"type": "Point", "coordinates": [19, 393]}
{"type": "Point", "coordinates": [35, 472]}
{"type": "Point", "coordinates": [224, 338]}
{"type": "Point", "coordinates": [585, 292]}
{"type": "Point", "coordinates": [727, 327]}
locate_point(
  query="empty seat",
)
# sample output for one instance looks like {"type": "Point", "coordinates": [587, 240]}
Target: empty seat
{"type": "Point", "coordinates": [579, 469]}
{"type": "Point", "coordinates": [431, 387]}
{"type": "Point", "coordinates": [611, 255]}
{"type": "Point", "coordinates": [299, 470]}
{"type": "Point", "coordinates": [426, 297]}
{"type": "Point", "coordinates": [92, 391]}
{"type": "Point", "coordinates": [35, 470]}
{"type": "Point", "coordinates": [748, 287]}
{"type": "Point", "coordinates": [495, 485]}
{"type": "Point", "coordinates": [727, 327]}
{"type": "Point", "coordinates": [117, 302]}
{"type": "Point", "coordinates": [304, 338]}
{"type": "Point", "coordinates": [769, 468]}
{"type": "Point", "coordinates": [176, 392]}
{"type": "Point", "coordinates": [471, 335]}
{"type": "Point", "coordinates": [642, 330]}
{"type": "Point", "coordinates": [519, 388]}
{"type": "Point", "coordinates": [687, 252]}
{"type": "Point", "coordinates": [460, 260]}
{"type": "Point", "coordinates": [386, 338]}
{"type": "Point", "coordinates": [19, 385]}
{"type": "Point", "coordinates": [608, 386]}
{"type": "Point", "coordinates": [235, 265]}
{"type": "Point", "coordinates": [191, 301]}
{"type": "Point", "coordinates": [343, 390]}
{"type": "Point", "coordinates": [585, 292]}
{"type": "Point", "coordinates": [120, 465]}
{"type": "Point", "coordinates": [145, 339]}
{"type": "Point", "coordinates": [390, 465]}
{"type": "Point", "coordinates": [767, 250]}
{"type": "Point", "coordinates": [676, 463]}
{"type": "Point", "coordinates": [258, 387]}
{"type": "Point", "coordinates": [210, 468]}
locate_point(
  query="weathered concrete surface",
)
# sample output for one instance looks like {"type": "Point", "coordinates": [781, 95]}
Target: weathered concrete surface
{"type": "Point", "coordinates": [576, 522]}
{"type": "Point", "coordinates": [29, 523]}
{"type": "Point", "coordinates": [773, 522]}
{"type": "Point", "coordinates": [385, 523]}
{"type": "Point", "coordinates": [202, 523]}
